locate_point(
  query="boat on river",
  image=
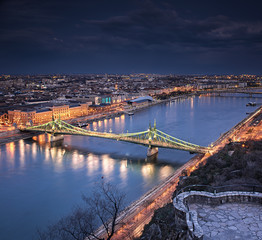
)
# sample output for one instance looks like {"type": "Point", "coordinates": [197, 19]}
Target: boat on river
{"type": "Point", "coordinates": [251, 104]}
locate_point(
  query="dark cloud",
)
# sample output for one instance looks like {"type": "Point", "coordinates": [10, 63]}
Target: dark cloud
{"type": "Point", "coordinates": [161, 26]}
{"type": "Point", "coordinates": [122, 31]}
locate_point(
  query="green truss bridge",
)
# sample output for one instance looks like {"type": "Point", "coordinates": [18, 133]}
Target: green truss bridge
{"type": "Point", "coordinates": [152, 137]}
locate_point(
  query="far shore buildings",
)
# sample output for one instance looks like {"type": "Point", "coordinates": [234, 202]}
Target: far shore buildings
{"type": "Point", "coordinates": [45, 115]}
{"type": "Point", "coordinates": [66, 112]}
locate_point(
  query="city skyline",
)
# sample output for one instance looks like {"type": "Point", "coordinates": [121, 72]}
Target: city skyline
{"type": "Point", "coordinates": [162, 37]}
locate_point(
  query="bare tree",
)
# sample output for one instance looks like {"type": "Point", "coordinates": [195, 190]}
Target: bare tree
{"type": "Point", "coordinates": [101, 209]}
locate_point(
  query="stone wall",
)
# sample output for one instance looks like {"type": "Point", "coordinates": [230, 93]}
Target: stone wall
{"type": "Point", "coordinates": [183, 214]}
{"type": "Point", "coordinates": [8, 133]}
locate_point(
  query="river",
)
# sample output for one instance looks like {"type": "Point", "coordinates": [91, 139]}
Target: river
{"type": "Point", "coordinates": [39, 183]}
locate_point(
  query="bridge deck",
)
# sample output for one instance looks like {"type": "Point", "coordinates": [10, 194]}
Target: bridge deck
{"type": "Point", "coordinates": [151, 137]}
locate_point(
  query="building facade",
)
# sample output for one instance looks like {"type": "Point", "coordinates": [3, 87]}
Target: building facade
{"type": "Point", "coordinates": [36, 117]}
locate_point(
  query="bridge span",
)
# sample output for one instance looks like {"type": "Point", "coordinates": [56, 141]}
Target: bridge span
{"type": "Point", "coordinates": [151, 137]}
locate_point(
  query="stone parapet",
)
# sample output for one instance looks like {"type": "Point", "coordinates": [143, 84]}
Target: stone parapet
{"type": "Point", "coordinates": [183, 213]}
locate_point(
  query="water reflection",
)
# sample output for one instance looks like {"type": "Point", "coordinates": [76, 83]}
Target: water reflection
{"type": "Point", "coordinates": [99, 124]}
{"type": "Point", "coordinates": [165, 171]}
{"type": "Point", "coordinates": [22, 153]}
{"type": "Point", "coordinates": [10, 149]}
{"type": "Point", "coordinates": [94, 125]}
{"type": "Point", "coordinates": [63, 155]}
{"type": "Point", "coordinates": [148, 171]}
{"type": "Point", "coordinates": [78, 160]}
{"type": "Point", "coordinates": [34, 150]}
{"type": "Point", "coordinates": [192, 103]}
{"type": "Point", "coordinates": [92, 163]}
{"type": "Point", "coordinates": [46, 154]}
{"type": "Point", "coordinates": [123, 171]}
{"type": "Point", "coordinates": [107, 165]}
{"type": "Point", "coordinates": [105, 123]}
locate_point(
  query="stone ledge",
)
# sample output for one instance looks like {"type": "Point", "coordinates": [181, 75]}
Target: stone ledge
{"type": "Point", "coordinates": [190, 217]}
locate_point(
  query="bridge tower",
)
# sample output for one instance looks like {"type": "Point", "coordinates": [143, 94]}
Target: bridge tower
{"type": "Point", "coordinates": [152, 151]}
{"type": "Point", "coordinates": [54, 125]}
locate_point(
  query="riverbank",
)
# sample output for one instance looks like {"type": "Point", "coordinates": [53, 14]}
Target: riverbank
{"type": "Point", "coordinates": [137, 215]}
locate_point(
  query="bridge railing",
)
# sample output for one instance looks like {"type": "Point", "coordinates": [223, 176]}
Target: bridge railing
{"type": "Point", "coordinates": [175, 140]}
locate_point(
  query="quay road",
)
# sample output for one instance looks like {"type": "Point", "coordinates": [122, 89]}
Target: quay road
{"type": "Point", "coordinates": [13, 136]}
{"type": "Point", "coordinates": [138, 214]}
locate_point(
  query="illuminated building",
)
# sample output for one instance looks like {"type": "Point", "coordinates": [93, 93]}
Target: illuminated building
{"type": "Point", "coordinates": [46, 115]}
{"type": "Point", "coordinates": [140, 102]}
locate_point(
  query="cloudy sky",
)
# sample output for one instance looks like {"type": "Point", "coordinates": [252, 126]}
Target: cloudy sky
{"type": "Point", "coordinates": [131, 36]}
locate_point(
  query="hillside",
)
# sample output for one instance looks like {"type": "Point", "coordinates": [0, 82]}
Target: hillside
{"type": "Point", "coordinates": [236, 164]}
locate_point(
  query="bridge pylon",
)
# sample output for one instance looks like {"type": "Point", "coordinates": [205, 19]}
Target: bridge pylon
{"type": "Point", "coordinates": [152, 151]}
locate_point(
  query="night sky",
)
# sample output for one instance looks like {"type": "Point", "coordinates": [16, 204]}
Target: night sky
{"type": "Point", "coordinates": [130, 36]}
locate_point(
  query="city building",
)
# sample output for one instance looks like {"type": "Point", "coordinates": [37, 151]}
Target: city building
{"type": "Point", "coordinates": [140, 102]}
{"type": "Point", "coordinates": [45, 115]}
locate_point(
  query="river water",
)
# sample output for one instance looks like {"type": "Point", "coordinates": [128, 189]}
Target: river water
{"type": "Point", "coordinates": [39, 183]}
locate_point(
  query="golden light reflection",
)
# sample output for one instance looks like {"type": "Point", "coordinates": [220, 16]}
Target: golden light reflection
{"type": "Point", "coordinates": [34, 150]}
{"type": "Point", "coordinates": [107, 165]}
{"type": "Point", "coordinates": [22, 152]}
{"type": "Point", "coordinates": [165, 171]}
{"type": "Point", "coordinates": [41, 139]}
{"type": "Point", "coordinates": [53, 152]}
{"type": "Point", "coordinates": [117, 121]}
{"type": "Point", "coordinates": [10, 150]}
{"type": "Point", "coordinates": [48, 136]}
{"type": "Point", "coordinates": [122, 122]}
{"type": "Point", "coordinates": [34, 138]}
{"type": "Point", "coordinates": [192, 103]}
{"type": "Point", "coordinates": [47, 154]}
{"type": "Point", "coordinates": [77, 160]}
{"type": "Point", "coordinates": [122, 117]}
{"type": "Point", "coordinates": [148, 170]}
{"type": "Point", "coordinates": [105, 123]}
{"type": "Point", "coordinates": [99, 123]}
{"type": "Point", "coordinates": [94, 124]}
{"type": "Point", "coordinates": [92, 163]}
{"type": "Point", "coordinates": [123, 170]}
{"type": "Point", "coordinates": [57, 158]}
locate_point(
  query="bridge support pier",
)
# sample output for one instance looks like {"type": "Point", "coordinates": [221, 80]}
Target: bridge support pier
{"type": "Point", "coordinates": [56, 138]}
{"type": "Point", "coordinates": [152, 152]}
